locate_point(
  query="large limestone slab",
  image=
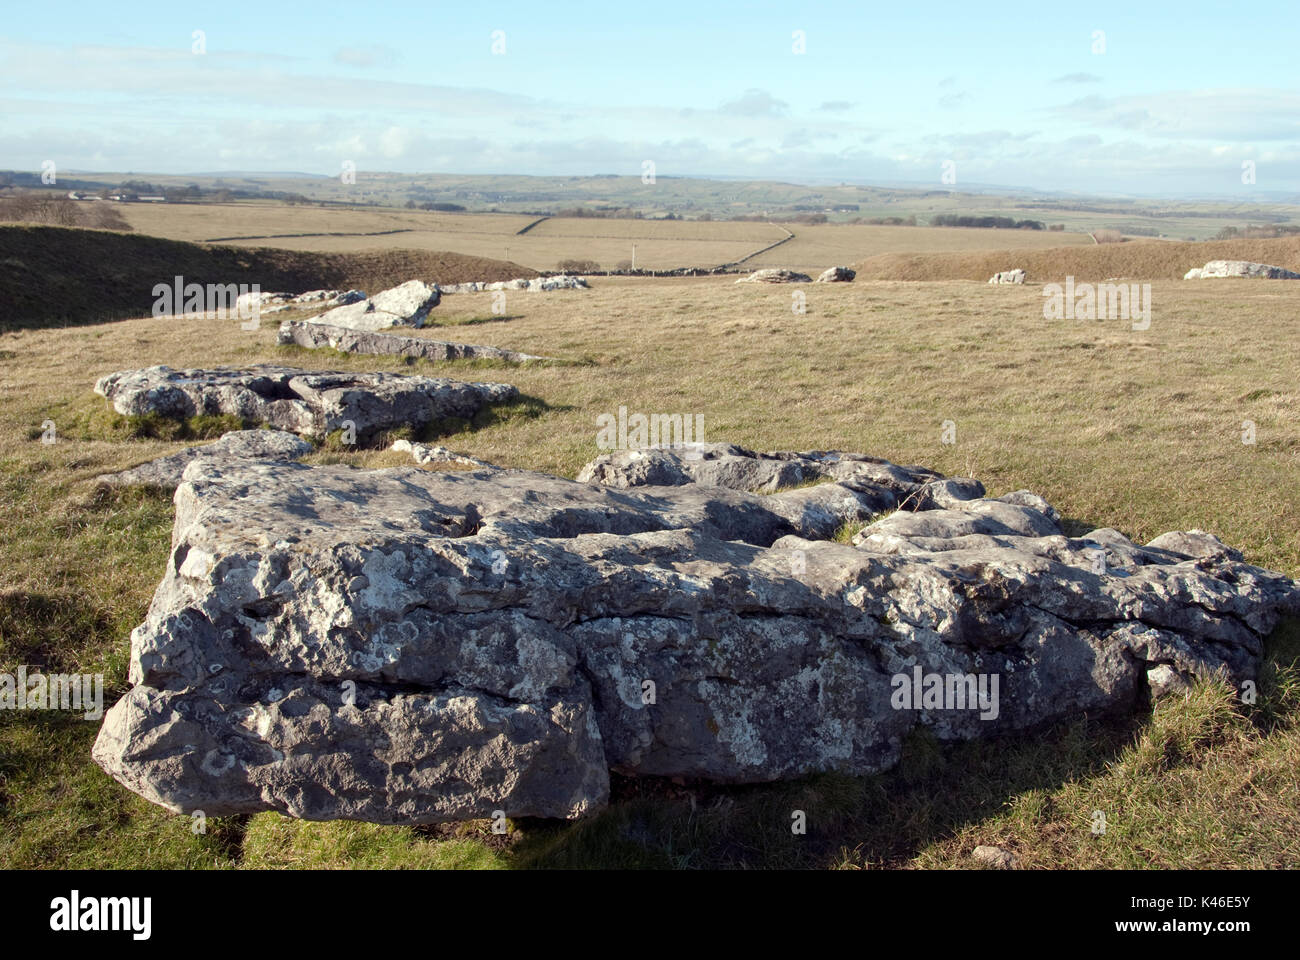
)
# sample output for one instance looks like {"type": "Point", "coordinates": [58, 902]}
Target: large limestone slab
{"type": "Point", "coordinates": [836, 275]}
{"type": "Point", "coordinates": [305, 402]}
{"type": "Point", "coordinates": [1216, 269]}
{"type": "Point", "coordinates": [405, 646]}
{"type": "Point", "coordinates": [735, 467]}
{"type": "Point", "coordinates": [166, 472]}
{"type": "Point", "coordinates": [406, 305]}
{"type": "Point", "coordinates": [775, 275]}
{"type": "Point", "coordinates": [278, 301]}
{"type": "Point", "coordinates": [314, 335]}
{"type": "Point", "coordinates": [530, 284]}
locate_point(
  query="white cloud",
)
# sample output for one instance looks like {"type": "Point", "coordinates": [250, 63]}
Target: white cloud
{"type": "Point", "coordinates": [366, 55]}
{"type": "Point", "coordinates": [394, 143]}
{"type": "Point", "coordinates": [152, 110]}
{"type": "Point", "coordinates": [755, 103]}
{"type": "Point", "coordinates": [1231, 115]}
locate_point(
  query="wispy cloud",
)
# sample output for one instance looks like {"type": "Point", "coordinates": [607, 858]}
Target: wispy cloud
{"type": "Point", "coordinates": [1239, 116]}
{"type": "Point", "coordinates": [756, 103]}
{"type": "Point", "coordinates": [804, 137]}
{"type": "Point", "coordinates": [169, 110]}
{"type": "Point", "coordinates": [366, 55]}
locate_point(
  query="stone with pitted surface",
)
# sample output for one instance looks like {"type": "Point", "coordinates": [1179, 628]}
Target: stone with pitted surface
{"type": "Point", "coordinates": [408, 646]}
{"type": "Point", "coordinates": [313, 335]}
{"type": "Point", "coordinates": [1217, 269]}
{"type": "Point", "coordinates": [305, 402]}
{"type": "Point", "coordinates": [165, 472]}
{"type": "Point", "coordinates": [775, 275]}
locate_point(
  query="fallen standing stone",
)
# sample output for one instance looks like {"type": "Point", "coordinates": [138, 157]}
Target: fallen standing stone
{"type": "Point", "coordinates": [837, 275]}
{"type": "Point", "coordinates": [409, 646]}
{"type": "Point", "coordinates": [1217, 269]}
{"type": "Point", "coordinates": [165, 472]}
{"type": "Point", "coordinates": [313, 335]}
{"type": "Point", "coordinates": [277, 302]}
{"type": "Point", "coordinates": [530, 284]}
{"type": "Point", "coordinates": [406, 305]}
{"type": "Point", "coordinates": [306, 402]}
{"type": "Point", "coordinates": [775, 275]}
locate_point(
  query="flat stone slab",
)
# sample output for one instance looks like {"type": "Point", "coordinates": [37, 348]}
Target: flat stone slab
{"type": "Point", "coordinates": [1240, 268]}
{"type": "Point", "coordinates": [409, 646]}
{"type": "Point", "coordinates": [313, 335]}
{"type": "Point", "coordinates": [278, 302]}
{"type": "Point", "coordinates": [306, 402]}
{"type": "Point", "coordinates": [529, 284]}
{"type": "Point", "coordinates": [737, 468]}
{"type": "Point", "coordinates": [165, 472]}
{"type": "Point", "coordinates": [406, 305]}
{"type": "Point", "coordinates": [776, 275]}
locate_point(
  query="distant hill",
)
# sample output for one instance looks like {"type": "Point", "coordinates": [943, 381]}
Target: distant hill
{"type": "Point", "coordinates": [1136, 259]}
{"type": "Point", "coordinates": [53, 276]}
{"type": "Point", "coordinates": [699, 197]}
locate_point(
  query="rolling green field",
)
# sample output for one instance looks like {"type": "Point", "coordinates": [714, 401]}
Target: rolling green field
{"type": "Point", "coordinates": [1139, 430]}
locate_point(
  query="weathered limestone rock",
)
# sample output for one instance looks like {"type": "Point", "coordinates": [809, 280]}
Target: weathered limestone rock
{"type": "Point", "coordinates": [994, 857]}
{"type": "Point", "coordinates": [561, 282]}
{"type": "Point", "coordinates": [734, 467]}
{"type": "Point", "coordinates": [332, 298]}
{"type": "Point", "coordinates": [277, 302]}
{"type": "Point", "coordinates": [837, 275]}
{"type": "Point", "coordinates": [423, 453]}
{"type": "Point", "coordinates": [776, 275]}
{"type": "Point", "coordinates": [305, 402]}
{"type": "Point", "coordinates": [406, 305]}
{"type": "Point", "coordinates": [408, 646]}
{"type": "Point", "coordinates": [470, 286]}
{"type": "Point", "coordinates": [1240, 268]}
{"type": "Point", "coordinates": [313, 334]}
{"type": "Point", "coordinates": [165, 472]}
{"type": "Point", "coordinates": [532, 285]}
{"type": "Point", "coordinates": [1008, 276]}
{"type": "Point", "coordinates": [261, 300]}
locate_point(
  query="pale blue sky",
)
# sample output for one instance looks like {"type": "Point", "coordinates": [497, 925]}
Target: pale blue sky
{"type": "Point", "coordinates": [1182, 94]}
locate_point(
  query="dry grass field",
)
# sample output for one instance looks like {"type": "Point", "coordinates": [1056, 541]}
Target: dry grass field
{"type": "Point", "coordinates": [660, 244]}
{"type": "Point", "coordinates": [692, 197]}
{"type": "Point", "coordinates": [1133, 259]}
{"type": "Point", "coordinates": [1139, 430]}
{"type": "Point", "coordinates": [663, 231]}
{"type": "Point", "coordinates": [814, 248]}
